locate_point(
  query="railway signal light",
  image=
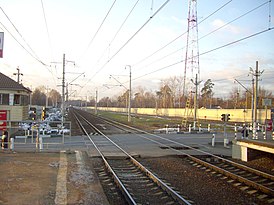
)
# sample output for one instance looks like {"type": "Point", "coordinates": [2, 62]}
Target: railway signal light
{"type": "Point", "coordinates": [223, 117]}
{"type": "Point", "coordinates": [227, 117]}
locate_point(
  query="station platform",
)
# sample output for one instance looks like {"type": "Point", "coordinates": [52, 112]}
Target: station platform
{"type": "Point", "coordinates": [248, 149]}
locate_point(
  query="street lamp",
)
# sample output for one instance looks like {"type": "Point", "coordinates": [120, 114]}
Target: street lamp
{"type": "Point", "coordinates": [129, 94]}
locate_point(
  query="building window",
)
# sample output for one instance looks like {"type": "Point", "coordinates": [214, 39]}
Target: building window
{"type": "Point", "coordinates": [24, 100]}
{"type": "Point", "coordinates": [16, 100]}
{"type": "Point", "coordinates": [4, 99]}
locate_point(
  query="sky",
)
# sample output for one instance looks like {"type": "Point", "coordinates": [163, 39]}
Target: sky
{"type": "Point", "coordinates": [104, 39]}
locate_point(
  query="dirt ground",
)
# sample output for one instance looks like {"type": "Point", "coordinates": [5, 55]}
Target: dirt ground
{"type": "Point", "coordinates": [45, 178]}
{"type": "Point", "coordinates": [28, 178]}
{"type": "Point", "coordinates": [32, 178]}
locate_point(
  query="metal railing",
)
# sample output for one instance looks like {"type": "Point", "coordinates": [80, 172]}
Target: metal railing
{"type": "Point", "coordinates": [37, 135]}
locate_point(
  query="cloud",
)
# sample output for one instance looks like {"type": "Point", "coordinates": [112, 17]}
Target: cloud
{"type": "Point", "coordinates": [218, 23]}
{"type": "Point", "coordinates": [180, 21]}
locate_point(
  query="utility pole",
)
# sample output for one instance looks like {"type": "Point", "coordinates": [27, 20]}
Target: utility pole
{"type": "Point", "coordinates": [129, 95]}
{"type": "Point", "coordinates": [63, 84]}
{"type": "Point", "coordinates": [196, 83]}
{"type": "Point", "coordinates": [256, 94]}
{"type": "Point", "coordinates": [63, 87]}
{"type": "Point", "coordinates": [18, 74]}
{"type": "Point", "coordinates": [96, 98]}
{"type": "Point", "coordinates": [47, 96]}
{"type": "Point", "coordinates": [255, 74]}
{"type": "Point", "coordinates": [67, 94]}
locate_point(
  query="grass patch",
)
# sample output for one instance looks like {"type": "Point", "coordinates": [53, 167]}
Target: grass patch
{"type": "Point", "coordinates": [142, 121]}
{"type": "Point", "coordinates": [150, 123]}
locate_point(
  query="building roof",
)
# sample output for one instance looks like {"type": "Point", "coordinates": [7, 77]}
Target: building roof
{"type": "Point", "coordinates": [7, 83]}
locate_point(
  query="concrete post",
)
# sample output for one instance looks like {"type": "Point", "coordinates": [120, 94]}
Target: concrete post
{"type": "Point", "coordinates": [213, 140]}
{"type": "Point", "coordinates": [235, 132]}
{"type": "Point", "coordinates": [41, 143]}
{"type": "Point", "coordinates": [12, 144]}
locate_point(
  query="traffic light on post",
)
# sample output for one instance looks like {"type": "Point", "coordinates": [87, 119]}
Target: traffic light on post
{"type": "Point", "coordinates": [223, 117]}
{"type": "Point", "coordinates": [227, 117]}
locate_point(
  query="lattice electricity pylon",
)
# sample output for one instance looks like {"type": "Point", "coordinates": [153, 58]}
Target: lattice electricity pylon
{"type": "Point", "coordinates": [192, 49]}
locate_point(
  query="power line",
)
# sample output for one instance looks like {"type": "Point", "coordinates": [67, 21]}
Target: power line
{"type": "Point", "coordinates": [234, 20]}
{"type": "Point", "coordinates": [120, 28]}
{"type": "Point", "coordinates": [36, 57]}
{"type": "Point", "coordinates": [172, 41]}
{"type": "Point", "coordinates": [138, 31]}
{"type": "Point", "coordinates": [237, 18]}
{"type": "Point", "coordinates": [33, 54]}
{"type": "Point", "coordinates": [206, 52]}
{"type": "Point", "coordinates": [237, 41]}
{"type": "Point", "coordinates": [94, 36]}
{"type": "Point", "coordinates": [50, 45]}
{"type": "Point", "coordinates": [161, 7]}
{"type": "Point", "coordinates": [46, 24]}
{"type": "Point", "coordinates": [22, 45]}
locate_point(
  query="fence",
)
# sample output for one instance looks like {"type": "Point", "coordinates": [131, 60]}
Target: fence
{"type": "Point", "coordinates": [236, 115]}
{"type": "Point", "coordinates": [37, 135]}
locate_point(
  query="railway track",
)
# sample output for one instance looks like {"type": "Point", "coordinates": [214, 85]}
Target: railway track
{"type": "Point", "coordinates": [137, 184]}
{"type": "Point", "coordinates": [247, 179]}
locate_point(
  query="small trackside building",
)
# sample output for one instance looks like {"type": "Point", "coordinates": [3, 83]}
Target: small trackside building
{"type": "Point", "coordinates": [14, 101]}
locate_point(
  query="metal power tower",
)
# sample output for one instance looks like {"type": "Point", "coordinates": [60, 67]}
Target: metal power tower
{"type": "Point", "coordinates": [192, 68]}
{"type": "Point", "coordinates": [192, 48]}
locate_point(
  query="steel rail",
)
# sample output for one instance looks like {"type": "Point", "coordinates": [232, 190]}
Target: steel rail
{"type": "Point", "coordinates": [158, 181]}
{"type": "Point", "coordinates": [263, 174]}
{"type": "Point", "coordinates": [118, 182]}
{"type": "Point", "coordinates": [214, 167]}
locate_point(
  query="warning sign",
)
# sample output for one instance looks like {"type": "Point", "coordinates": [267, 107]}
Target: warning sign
{"type": "Point", "coordinates": [3, 119]}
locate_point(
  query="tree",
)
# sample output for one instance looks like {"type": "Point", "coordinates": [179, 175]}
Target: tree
{"type": "Point", "coordinates": [139, 98]}
{"type": "Point", "coordinates": [104, 102]}
{"type": "Point", "coordinates": [150, 100]}
{"type": "Point", "coordinates": [54, 97]}
{"type": "Point", "coordinates": [166, 100]}
{"type": "Point", "coordinates": [38, 97]}
{"type": "Point", "coordinates": [175, 84]}
{"type": "Point", "coordinates": [207, 92]}
{"type": "Point", "coordinates": [238, 99]}
{"type": "Point", "coordinates": [234, 97]}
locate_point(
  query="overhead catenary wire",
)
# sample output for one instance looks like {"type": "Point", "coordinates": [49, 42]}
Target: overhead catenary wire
{"type": "Point", "coordinates": [206, 35]}
{"type": "Point", "coordinates": [99, 28]}
{"type": "Point", "coordinates": [32, 53]}
{"type": "Point", "coordinates": [178, 37]}
{"type": "Point", "coordinates": [150, 18]}
{"type": "Point", "coordinates": [239, 17]}
{"type": "Point", "coordinates": [47, 28]}
{"type": "Point", "coordinates": [214, 49]}
{"type": "Point", "coordinates": [49, 39]}
{"type": "Point", "coordinates": [269, 14]}
{"type": "Point", "coordinates": [204, 53]}
{"type": "Point", "coordinates": [119, 29]}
